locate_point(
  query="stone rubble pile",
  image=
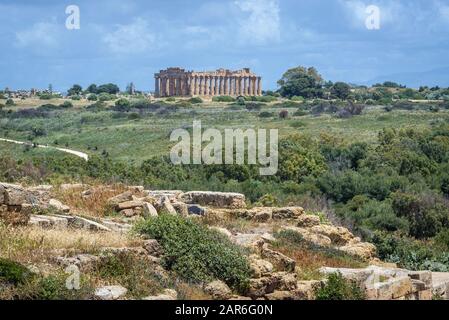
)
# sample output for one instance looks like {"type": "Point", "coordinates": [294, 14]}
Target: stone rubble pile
{"type": "Point", "coordinates": [382, 283]}
{"type": "Point", "coordinates": [273, 274]}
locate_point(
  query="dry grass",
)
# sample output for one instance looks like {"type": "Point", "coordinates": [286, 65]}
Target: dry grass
{"type": "Point", "coordinates": [310, 260]}
{"type": "Point", "coordinates": [35, 245]}
{"type": "Point", "coordinates": [95, 205]}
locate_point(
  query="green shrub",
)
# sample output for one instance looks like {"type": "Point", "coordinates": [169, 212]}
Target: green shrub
{"type": "Point", "coordinates": [196, 253]}
{"type": "Point", "coordinates": [66, 105]}
{"type": "Point", "coordinates": [338, 288]}
{"type": "Point", "coordinates": [268, 200]}
{"type": "Point", "coordinates": [122, 104]}
{"type": "Point", "coordinates": [297, 124]}
{"type": "Point", "coordinates": [266, 114]}
{"type": "Point", "coordinates": [223, 99]}
{"type": "Point", "coordinates": [10, 102]}
{"type": "Point", "coordinates": [75, 98]}
{"type": "Point", "coordinates": [196, 100]}
{"type": "Point", "coordinates": [300, 113]}
{"type": "Point", "coordinates": [170, 99]}
{"type": "Point", "coordinates": [92, 97]}
{"type": "Point", "coordinates": [13, 272]}
{"type": "Point", "coordinates": [105, 97]}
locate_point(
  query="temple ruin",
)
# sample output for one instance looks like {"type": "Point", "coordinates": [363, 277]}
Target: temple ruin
{"type": "Point", "coordinates": [178, 82]}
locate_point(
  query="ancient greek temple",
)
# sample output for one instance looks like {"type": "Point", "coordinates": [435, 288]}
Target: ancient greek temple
{"type": "Point", "coordinates": [178, 82]}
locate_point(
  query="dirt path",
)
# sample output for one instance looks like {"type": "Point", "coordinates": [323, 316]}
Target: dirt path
{"type": "Point", "coordinates": [73, 152]}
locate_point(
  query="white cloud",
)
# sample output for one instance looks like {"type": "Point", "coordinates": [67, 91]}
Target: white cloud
{"type": "Point", "coordinates": [41, 34]}
{"type": "Point", "coordinates": [136, 37]}
{"type": "Point", "coordinates": [260, 23]}
{"type": "Point", "coordinates": [444, 11]}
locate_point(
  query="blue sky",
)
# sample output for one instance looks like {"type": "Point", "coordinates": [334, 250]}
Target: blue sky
{"type": "Point", "coordinates": [124, 41]}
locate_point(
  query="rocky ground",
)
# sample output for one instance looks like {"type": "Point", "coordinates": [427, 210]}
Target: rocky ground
{"type": "Point", "coordinates": [51, 228]}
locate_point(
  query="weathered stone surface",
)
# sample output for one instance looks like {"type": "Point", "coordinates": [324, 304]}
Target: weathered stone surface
{"type": "Point", "coordinates": [116, 226]}
{"type": "Point", "coordinates": [110, 292]}
{"type": "Point", "coordinates": [83, 223]}
{"type": "Point", "coordinates": [128, 213]}
{"type": "Point", "coordinates": [170, 194]}
{"type": "Point", "coordinates": [338, 235]}
{"type": "Point", "coordinates": [57, 206]}
{"type": "Point", "coordinates": [123, 197]}
{"type": "Point", "coordinates": [306, 290]}
{"type": "Point", "coordinates": [149, 211]}
{"type": "Point", "coordinates": [287, 213]}
{"type": "Point", "coordinates": [49, 221]}
{"type": "Point", "coordinates": [215, 199]}
{"type": "Point", "coordinates": [153, 248]}
{"type": "Point", "coordinates": [281, 295]}
{"type": "Point", "coordinates": [279, 260]}
{"type": "Point", "coordinates": [317, 239]}
{"type": "Point", "coordinates": [363, 250]}
{"type": "Point", "coordinates": [164, 206]}
{"type": "Point", "coordinates": [196, 210]}
{"type": "Point", "coordinates": [168, 294]}
{"type": "Point", "coordinates": [130, 205]}
{"type": "Point", "coordinates": [2, 194]}
{"type": "Point", "coordinates": [15, 195]}
{"type": "Point", "coordinates": [287, 281]}
{"type": "Point", "coordinates": [262, 214]}
{"type": "Point", "coordinates": [218, 290]}
{"type": "Point", "coordinates": [424, 276]}
{"type": "Point", "coordinates": [85, 262]}
{"type": "Point", "coordinates": [260, 267]}
{"type": "Point", "coordinates": [262, 286]}
{"type": "Point", "coordinates": [393, 288]}
{"type": "Point", "coordinates": [425, 295]}
{"type": "Point", "coordinates": [308, 221]}
{"type": "Point", "coordinates": [181, 208]}
{"type": "Point", "coordinates": [247, 239]}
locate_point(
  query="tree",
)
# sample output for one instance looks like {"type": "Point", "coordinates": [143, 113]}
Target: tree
{"type": "Point", "coordinates": [92, 88]}
{"type": "Point", "coordinates": [301, 81]}
{"type": "Point", "coordinates": [108, 88]}
{"type": "Point", "coordinates": [75, 90]}
{"type": "Point", "coordinates": [341, 90]}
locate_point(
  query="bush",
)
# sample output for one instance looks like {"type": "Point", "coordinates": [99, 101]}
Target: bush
{"type": "Point", "coordinates": [266, 114]}
{"type": "Point", "coordinates": [66, 105]}
{"type": "Point", "coordinates": [223, 99]}
{"type": "Point", "coordinates": [105, 97]}
{"type": "Point", "coordinates": [122, 104]}
{"type": "Point", "coordinates": [196, 253]}
{"type": "Point", "coordinates": [10, 102]}
{"type": "Point", "coordinates": [92, 97]}
{"type": "Point", "coordinates": [338, 288]}
{"type": "Point", "coordinates": [13, 272]}
{"type": "Point", "coordinates": [75, 98]}
{"type": "Point", "coordinates": [195, 100]}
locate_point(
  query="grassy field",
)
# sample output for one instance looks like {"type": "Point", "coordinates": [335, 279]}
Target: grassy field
{"type": "Point", "coordinates": [137, 137]}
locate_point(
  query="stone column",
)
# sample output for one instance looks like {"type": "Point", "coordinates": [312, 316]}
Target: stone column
{"type": "Point", "coordinates": [217, 86]}
{"type": "Point", "coordinates": [156, 86]}
{"type": "Point", "coordinates": [195, 85]}
{"type": "Point", "coordinates": [225, 86]}
{"type": "Point", "coordinates": [212, 86]}
{"type": "Point", "coordinates": [190, 85]}
{"type": "Point", "coordinates": [236, 86]}
{"type": "Point", "coordinates": [209, 86]}
{"type": "Point", "coordinates": [254, 86]}
{"type": "Point", "coordinates": [245, 86]}
{"type": "Point", "coordinates": [170, 86]}
{"type": "Point", "coordinates": [220, 85]}
{"type": "Point", "coordinates": [259, 86]}
{"type": "Point", "coordinates": [231, 86]}
{"type": "Point", "coordinates": [250, 86]}
{"type": "Point", "coordinates": [203, 86]}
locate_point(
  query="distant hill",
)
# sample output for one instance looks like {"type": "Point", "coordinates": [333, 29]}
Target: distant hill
{"type": "Point", "coordinates": [435, 77]}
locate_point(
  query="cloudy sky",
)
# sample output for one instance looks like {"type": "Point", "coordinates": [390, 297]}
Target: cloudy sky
{"type": "Point", "coordinates": [124, 41]}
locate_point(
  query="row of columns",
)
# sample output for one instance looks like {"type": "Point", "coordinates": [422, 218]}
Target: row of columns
{"type": "Point", "coordinates": [208, 85]}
